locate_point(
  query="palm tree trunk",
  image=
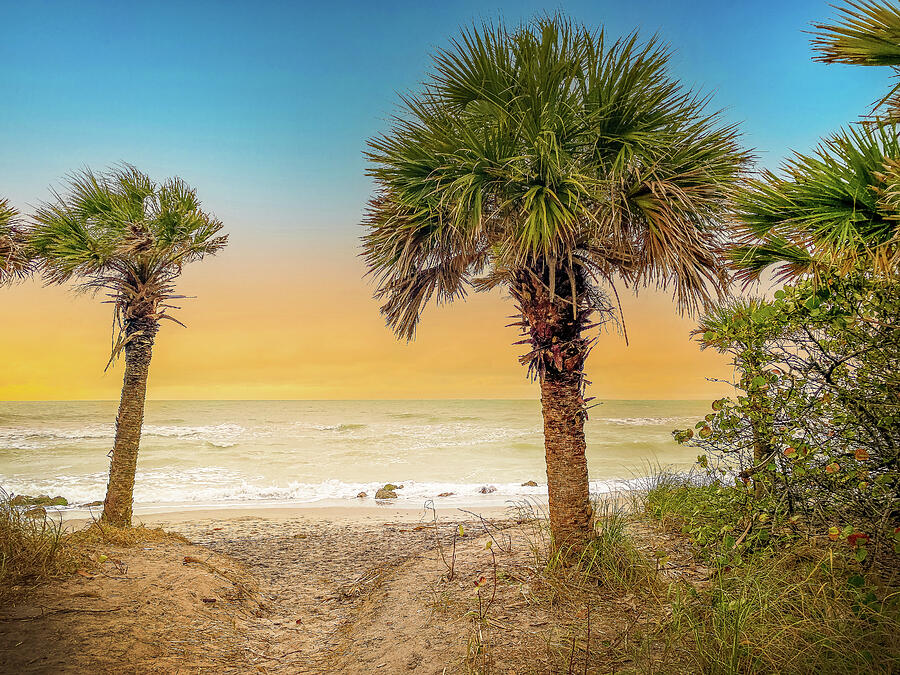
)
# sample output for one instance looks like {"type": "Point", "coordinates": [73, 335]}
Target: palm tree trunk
{"type": "Point", "coordinates": [557, 358]}
{"type": "Point", "coordinates": [117, 507]}
{"type": "Point", "coordinates": [567, 474]}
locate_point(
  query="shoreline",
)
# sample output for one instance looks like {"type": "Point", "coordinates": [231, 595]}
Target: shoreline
{"type": "Point", "coordinates": [347, 509]}
{"type": "Point", "coordinates": [327, 513]}
{"type": "Point", "coordinates": [335, 512]}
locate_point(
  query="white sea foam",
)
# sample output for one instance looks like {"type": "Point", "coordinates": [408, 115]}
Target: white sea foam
{"type": "Point", "coordinates": [34, 438]}
{"type": "Point", "coordinates": [217, 487]}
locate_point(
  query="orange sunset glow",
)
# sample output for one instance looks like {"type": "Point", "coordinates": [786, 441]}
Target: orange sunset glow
{"type": "Point", "coordinates": [300, 323]}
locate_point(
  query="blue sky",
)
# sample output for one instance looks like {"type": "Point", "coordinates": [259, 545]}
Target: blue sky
{"type": "Point", "coordinates": [266, 106]}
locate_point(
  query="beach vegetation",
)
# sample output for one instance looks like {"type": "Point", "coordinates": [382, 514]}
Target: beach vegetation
{"type": "Point", "coordinates": [126, 236]}
{"type": "Point", "coordinates": [809, 444]}
{"type": "Point", "coordinates": [36, 546]}
{"type": "Point", "coordinates": [773, 601]}
{"type": "Point", "coordinates": [824, 394]}
{"type": "Point", "coordinates": [551, 161]}
{"type": "Point", "coordinates": [32, 547]}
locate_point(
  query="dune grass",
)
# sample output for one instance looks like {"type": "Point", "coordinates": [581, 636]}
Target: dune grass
{"type": "Point", "coordinates": [792, 606]}
{"type": "Point", "coordinates": [36, 547]}
{"type": "Point", "coordinates": [610, 562]}
{"type": "Point", "coordinates": [32, 548]}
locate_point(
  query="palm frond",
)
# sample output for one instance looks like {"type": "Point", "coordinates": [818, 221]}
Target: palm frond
{"type": "Point", "coordinates": [733, 321]}
{"type": "Point", "coordinates": [15, 255]}
{"type": "Point", "coordinates": [866, 33]}
{"type": "Point", "coordinates": [836, 208]}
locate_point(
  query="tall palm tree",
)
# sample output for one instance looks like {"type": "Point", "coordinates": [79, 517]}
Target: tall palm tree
{"type": "Point", "coordinates": [867, 33]}
{"type": "Point", "coordinates": [550, 161]}
{"type": "Point", "coordinates": [124, 234]}
{"type": "Point", "coordinates": [14, 259]}
{"type": "Point", "coordinates": [833, 211]}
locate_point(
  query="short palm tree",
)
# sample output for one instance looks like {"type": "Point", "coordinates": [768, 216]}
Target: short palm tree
{"type": "Point", "coordinates": [122, 233]}
{"type": "Point", "coordinates": [837, 210]}
{"type": "Point", "coordinates": [550, 161]}
{"type": "Point", "coordinates": [14, 260]}
{"type": "Point", "coordinates": [866, 34]}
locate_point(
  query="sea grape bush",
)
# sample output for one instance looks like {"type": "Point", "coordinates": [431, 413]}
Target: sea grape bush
{"type": "Point", "coordinates": [809, 444]}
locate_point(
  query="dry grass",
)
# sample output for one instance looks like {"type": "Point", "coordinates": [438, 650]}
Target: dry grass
{"type": "Point", "coordinates": [611, 563]}
{"type": "Point", "coordinates": [797, 607]}
{"type": "Point", "coordinates": [32, 548]}
{"type": "Point", "coordinates": [97, 533]}
{"type": "Point", "coordinates": [35, 546]}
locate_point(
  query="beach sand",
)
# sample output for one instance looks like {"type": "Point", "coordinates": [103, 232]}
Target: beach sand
{"type": "Point", "coordinates": [313, 590]}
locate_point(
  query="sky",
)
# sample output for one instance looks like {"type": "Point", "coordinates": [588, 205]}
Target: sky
{"type": "Point", "coordinates": [265, 108]}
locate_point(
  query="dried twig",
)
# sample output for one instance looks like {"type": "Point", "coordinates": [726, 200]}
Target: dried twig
{"type": "Point", "coordinates": [487, 530]}
{"type": "Point", "coordinates": [60, 610]}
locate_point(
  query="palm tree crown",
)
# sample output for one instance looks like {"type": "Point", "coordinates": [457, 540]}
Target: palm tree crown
{"type": "Point", "coordinates": [547, 147]}
{"type": "Point", "coordinates": [14, 259]}
{"type": "Point", "coordinates": [125, 234]}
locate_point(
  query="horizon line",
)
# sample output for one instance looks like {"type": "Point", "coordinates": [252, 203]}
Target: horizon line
{"type": "Point", "coordinates": [318, 400]}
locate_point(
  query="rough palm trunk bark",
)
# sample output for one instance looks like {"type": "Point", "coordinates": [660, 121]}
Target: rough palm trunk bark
{"type": "Point", "coordinates": [567, 474]}
{"type": "Point", "coordinates": [554, 331]}
{"type": "Point", "coordinates": [117, 506]}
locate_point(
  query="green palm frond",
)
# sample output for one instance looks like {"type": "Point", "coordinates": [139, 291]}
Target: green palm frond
{"type": "Point", "coordinates": [122, 233]}
{"type": "Point", "coordinates": [866, 33]}
{"type": "Point", "coordinates": [528, 145]}
{"type": "Point", "coordinates": [15, 259]}
{"type": "Point", "coordinates": [836, 208]}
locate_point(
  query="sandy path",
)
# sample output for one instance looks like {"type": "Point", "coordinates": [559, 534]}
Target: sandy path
{"type": "Point", "coordinates": [314, 575]}
{"type": "Point", "coordinates": [302, 595]}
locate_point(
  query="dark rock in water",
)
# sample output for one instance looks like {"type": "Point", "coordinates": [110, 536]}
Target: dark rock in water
{"type": "Point", "coordinates": [388, 491]}
{"type": "Point", "coordinates": [361, 495]}
{"type": "Point", "coordinates": [529, 483]}
{"type": "Point", "coordinates": [40, 500]}
{"type": "Point", "coordinates": [36, 512]}
{"type": "Point", "coordinates": [446, 494]}
{"type": "Point", "coordinates": [487, 489]}
{"type": "Point", "coordinates": [99, 502]}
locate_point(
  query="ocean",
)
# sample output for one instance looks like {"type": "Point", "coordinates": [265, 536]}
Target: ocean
{"type": "Point", "coordinates": [197, 454]}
